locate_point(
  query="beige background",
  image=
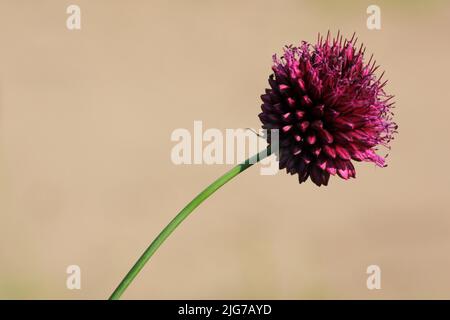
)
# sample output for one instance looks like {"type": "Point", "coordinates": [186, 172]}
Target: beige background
{"type": "Point", "coordinates": [86, 176]}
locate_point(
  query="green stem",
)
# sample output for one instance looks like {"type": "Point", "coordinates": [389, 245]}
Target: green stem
{"type": "Point", "coordinates": [165, 233]}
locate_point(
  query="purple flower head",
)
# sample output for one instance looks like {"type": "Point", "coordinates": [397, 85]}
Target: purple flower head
{"type": "Point", "coordinates": [330, 108]}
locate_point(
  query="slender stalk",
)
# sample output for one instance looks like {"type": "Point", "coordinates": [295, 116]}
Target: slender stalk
{"type": "Point", "coordinates": [165, 233]}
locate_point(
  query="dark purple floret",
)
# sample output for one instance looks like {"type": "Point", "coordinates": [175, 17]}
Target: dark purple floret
{"type": "Point", "coordinates": [330, 108]}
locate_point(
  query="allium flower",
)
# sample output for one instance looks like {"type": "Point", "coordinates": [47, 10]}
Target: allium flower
{"type": "Point", "coordinates": [329, 107]}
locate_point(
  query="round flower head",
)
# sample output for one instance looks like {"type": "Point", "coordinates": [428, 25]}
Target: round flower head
{"type": "Point", "coordinates": [329, 107]}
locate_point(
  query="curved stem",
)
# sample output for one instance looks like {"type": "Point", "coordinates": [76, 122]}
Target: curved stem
{"type": "Point", "coordinates": [165, 233]}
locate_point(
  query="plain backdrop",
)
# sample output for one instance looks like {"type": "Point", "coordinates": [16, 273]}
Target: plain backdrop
{"type": "Point", "coordinates": [86, 176]}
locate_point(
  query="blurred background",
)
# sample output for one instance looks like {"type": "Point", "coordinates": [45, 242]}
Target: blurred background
{"type": "Point", "coordinates": [86, 176]}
